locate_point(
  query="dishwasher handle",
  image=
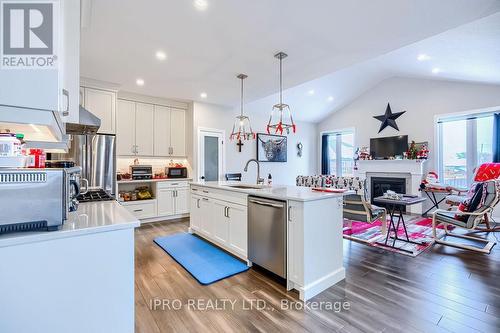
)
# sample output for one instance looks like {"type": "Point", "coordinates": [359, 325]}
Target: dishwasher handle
{"type": "Point", "coordinates": [263, 203]}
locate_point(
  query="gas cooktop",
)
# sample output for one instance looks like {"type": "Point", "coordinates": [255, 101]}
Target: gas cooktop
{"type": "Point", "coordinates": [95, 195]}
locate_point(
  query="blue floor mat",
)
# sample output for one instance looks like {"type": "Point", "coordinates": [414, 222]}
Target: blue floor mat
{"type": "Point", "coordinates": [206, 262]}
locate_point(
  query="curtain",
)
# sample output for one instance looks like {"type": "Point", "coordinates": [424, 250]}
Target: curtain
{"type": "Point", "coordinates": [325, 159]}
{"type": "Point", "coordinates": [496, 137]}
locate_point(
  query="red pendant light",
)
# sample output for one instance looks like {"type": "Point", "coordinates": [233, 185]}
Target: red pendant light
{"type": "Point", "coordinates": [281, 119]}
{"type": "Point", "coordinates": [242, 130]}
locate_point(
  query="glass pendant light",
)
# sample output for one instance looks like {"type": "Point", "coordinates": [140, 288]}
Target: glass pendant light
{"type": "Point", "coordinates": [242, 128]}
{"type": "Point", "coordinates": [281, 117]}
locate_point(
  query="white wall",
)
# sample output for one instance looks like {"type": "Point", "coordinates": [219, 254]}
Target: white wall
{"type": "Point", "coordinates": [422, 99]}
{"type": "Point", "coordinates": [218, 117]}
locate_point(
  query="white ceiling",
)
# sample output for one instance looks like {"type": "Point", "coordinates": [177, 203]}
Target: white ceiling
{"type": "Point", "coordinates": [470, 52]}
{"type": "Point", "coordinates": [324, 39]}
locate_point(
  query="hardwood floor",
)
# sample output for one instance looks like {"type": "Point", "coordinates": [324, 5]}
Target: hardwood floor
{"type": "Point", "coordinates": [442, 290]}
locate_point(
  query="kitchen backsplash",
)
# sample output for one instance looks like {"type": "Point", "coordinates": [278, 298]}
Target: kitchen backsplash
{"type": "Point", "coordinates": [123, 163]}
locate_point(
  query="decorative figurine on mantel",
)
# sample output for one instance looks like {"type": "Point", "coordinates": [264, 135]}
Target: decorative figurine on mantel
{"type": "Point", "coordinates": [412, 152]}
{"type": "Point", "coordinates": [364, 153]}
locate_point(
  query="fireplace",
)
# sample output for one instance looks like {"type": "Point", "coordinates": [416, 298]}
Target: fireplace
{"type": "Point", "coordinates": [380, 185]}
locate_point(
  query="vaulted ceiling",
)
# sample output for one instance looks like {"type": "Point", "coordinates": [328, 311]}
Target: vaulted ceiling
{"type": "Point", "coordinates": [337, 48]}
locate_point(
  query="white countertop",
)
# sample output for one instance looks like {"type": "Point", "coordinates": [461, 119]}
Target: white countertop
{"type": "Point", "coordinates": [91, 217]}
{"type": "Point", "coordinates": [132, 181]}
{"type": "Point", "coordinates": [280, 192]}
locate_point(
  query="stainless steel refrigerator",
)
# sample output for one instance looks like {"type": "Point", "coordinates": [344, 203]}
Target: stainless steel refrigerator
{"type": "Point", "coordinates": [96, 154]}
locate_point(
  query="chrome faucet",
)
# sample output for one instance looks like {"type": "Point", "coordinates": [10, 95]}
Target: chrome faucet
{"type": "Point", "coordinates": [260, 181]}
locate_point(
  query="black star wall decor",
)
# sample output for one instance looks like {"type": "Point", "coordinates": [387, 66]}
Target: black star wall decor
{"type": "Point", "coordinates": [388, 119]}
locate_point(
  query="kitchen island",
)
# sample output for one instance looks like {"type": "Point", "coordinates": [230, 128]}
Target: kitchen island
{"type": "Point", "coordinates": [219, 213]}
{"type": "Point", "coordinates": [77, 279]}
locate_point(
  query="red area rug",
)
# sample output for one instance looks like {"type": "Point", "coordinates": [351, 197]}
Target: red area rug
{"type": "Point", "coordinates": [419, 230]}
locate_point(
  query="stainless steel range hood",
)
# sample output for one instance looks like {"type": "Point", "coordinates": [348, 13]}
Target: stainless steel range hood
{"type": "Point", "coordinates": [88, 123]}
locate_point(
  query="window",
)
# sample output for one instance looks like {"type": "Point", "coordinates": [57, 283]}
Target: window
{"type": "Point", "coordinates": [337, 153]}
{"type": "Point", "coordinates": [464, 143]}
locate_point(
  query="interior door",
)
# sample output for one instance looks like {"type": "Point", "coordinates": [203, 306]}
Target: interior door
{"type": "Point", "coordinates": [125, 128]}
{"type": "Point", "coordinates": [144, 114]}
{"type": "Point", "coordinates": [211, 155]}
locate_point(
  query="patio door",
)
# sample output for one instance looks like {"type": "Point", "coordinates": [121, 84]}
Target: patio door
{"type": "Point", "coordinates": [210, 154]}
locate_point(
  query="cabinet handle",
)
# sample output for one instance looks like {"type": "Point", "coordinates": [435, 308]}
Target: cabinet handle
{"type": "Point", "coordinates": [194, 189]}
{"type": "Point", "coordinates": [227, 214]}
{"type": "Point", "coordinates": [289, 213]}
{"type": "Point", "coordinates": [205, 191]}
{"type": "Point", "coordinates": [137, 210]}
{"type": "Point", "coordinates": [174, 184]}
{"type": "Point", "coordinates": [198, 203]}
{"type": "Point", "coordinates": [66, 111]}
{"type": "Point", "coordinates": [205, 199]}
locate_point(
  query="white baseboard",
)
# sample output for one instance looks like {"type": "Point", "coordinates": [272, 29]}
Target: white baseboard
{"type": "Point", "coordinates": [321, 284]}
{"type": "Point", "coordinates": [163, 218]}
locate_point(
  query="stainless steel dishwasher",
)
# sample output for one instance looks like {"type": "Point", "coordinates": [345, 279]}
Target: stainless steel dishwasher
{"type": "Point", "coordinates": [267, 234]}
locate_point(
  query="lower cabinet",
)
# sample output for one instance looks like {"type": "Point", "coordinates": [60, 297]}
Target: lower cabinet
{"type": "Point", "coordinates": [173, 201]}
{"type": "Point", "coordinates": [142, 209]}
{"type": "Point", "coordinates": [222, 222]}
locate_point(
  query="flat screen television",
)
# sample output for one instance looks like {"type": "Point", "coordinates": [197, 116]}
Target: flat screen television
{"type": "Point", "coordinates": [390, 146]}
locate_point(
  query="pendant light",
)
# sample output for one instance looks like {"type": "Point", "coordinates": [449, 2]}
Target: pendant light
{"type": "Point", "coordinates": [281, 117]}
{"type": "Point", "coordinates": [242, 128]}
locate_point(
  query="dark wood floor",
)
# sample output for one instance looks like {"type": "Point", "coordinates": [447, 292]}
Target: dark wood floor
{"type": "Point", "coordinates": [442, 290]}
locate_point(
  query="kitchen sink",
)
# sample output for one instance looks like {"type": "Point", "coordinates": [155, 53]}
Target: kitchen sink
{"type": "Point", "coordinates": [247, 186]}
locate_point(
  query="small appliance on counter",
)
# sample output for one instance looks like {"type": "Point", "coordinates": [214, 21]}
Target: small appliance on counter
{"type": "Point", "coordinates": [141, 172]}
{"type": "Point", "coordinates": [176, 172]}
{"type": "Point", "coordinates": [37, 199]}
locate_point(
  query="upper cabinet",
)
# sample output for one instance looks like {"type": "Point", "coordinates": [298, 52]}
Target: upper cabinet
{"type": "Point", "coordinates": [27, 80]}
{"type": "Point", "coordinates": [152, 130]}
{"type": "Point", "coordinates": [102, 103]}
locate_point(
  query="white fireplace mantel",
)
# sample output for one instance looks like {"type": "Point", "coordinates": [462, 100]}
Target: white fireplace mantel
{"type": "Point", "coordinates": [412, 170]}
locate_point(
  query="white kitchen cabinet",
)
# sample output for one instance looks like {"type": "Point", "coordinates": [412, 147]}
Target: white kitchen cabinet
{"type": "Point", "coordinates": [161, 131]}
{"type": "Point", "coordinates": [144, 129]}
{"type": "Point", "coordinates": [102, 103]}
{"type": "Point", "coordinates": [54, 89]}
{"type": "Point", "coordinates": [166, 202]}
{"type": "Point", "coordinates": [178, 132]}
{"type": "Point", "coordinates": [182, 202]}
{"type": "Point", "coordinates": [125, 128]}
{"type": "Point", "coordinates": [141, 209]}
{"type": "Point", "coordinates": [195, 215]}
{"type": "Point", "coordinates": [238, 228]}
{"type": "Point", "coordinates": [220, 222]}
{"type": "Point", "coordinates": [207, 222]}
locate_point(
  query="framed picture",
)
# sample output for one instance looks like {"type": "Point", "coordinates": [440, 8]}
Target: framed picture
{"type": "Point", "coordinates": [271, 148]}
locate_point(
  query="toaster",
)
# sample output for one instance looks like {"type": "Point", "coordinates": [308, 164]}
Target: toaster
{"type": "Point", "coordinates": [37, 199]}
{"type": "Point", "coordinates": [139, 171]}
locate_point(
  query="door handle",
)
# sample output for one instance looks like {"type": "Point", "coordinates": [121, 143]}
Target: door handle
{"type": "Point", "coordinates": [263, 203]}
{"type": "Point", "coordinates": [66, 111]}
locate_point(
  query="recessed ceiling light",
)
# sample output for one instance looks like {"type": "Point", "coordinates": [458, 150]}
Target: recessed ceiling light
{"type": "Point", "coordinates": [436, 70]}
{"type": "Point", "coordinates": [310, 92]}
{"type": "Point", "coordinates": [423, 57]}
{"type": "Point", "coordinates": [330, 98]}
{"type": "Point", "coordinates": [200, 4]}
{"type": "Point", "coordinates": [203, 95]}
{"type": "Point", "coordinates": [139, 82]}
{"type": "Point", "coordinates": [160, 55]}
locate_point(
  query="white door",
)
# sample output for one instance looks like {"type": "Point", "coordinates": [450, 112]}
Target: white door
{"type": "Point", "coordinates": [178, 132]}
{"type": "Point", "coordinates": [221, 222]}
{"type": "Point", "coordinates": [125, 128]}
{"type": "Point", "coordinates": [211, 155]}
{"type": "Point", "coordinates": [102, 104]}
{"type": "Point", "coordinates": [182, 201]}
{"type": "Point", "coordinates": [195, 215]}
{"type": "Point", "coordinates": [144, 129]}
{"type": "Point", "coordinates": [161, 131]}
{"type": "Point", "coordinates": [165, 200]}
{"type": "Point", "coordinates": [238, 230]}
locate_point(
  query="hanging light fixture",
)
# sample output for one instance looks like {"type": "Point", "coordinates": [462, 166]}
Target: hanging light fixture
{"type": "Point", "coordinates": [242, 128]}
{"type": "Point", "coordinates": [281, 117]}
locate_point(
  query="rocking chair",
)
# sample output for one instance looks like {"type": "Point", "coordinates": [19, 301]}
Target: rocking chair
{"type": "Point", "coordinates": [468, 220]}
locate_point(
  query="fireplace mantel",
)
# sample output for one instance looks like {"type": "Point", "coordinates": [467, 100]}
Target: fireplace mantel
{"type": "Point", "coordinates": [412, 170]}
